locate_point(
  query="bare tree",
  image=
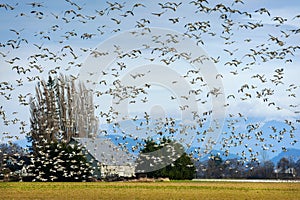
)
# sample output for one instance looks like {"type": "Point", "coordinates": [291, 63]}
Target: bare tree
{"type": "Point", "coordinates": [283, 163]}
{"type": "Point", "coordinates": [61, 109]}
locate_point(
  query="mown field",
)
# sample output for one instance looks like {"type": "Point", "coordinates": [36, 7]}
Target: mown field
{"type": "Point", "coordinates": [150, 190]}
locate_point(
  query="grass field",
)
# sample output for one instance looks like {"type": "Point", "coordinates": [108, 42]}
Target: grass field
{"type": "Point", "coordinates": [150, 190]}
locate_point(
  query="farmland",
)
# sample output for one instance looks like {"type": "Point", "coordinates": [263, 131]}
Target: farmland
{"type": "Point", "coordinates": [151, 190]}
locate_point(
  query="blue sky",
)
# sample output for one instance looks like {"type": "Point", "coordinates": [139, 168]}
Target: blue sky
{"type": "Point", "coordinates": [25, 20]}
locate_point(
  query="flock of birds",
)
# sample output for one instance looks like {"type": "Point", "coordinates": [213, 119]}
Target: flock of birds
{"type": "Point", "coordinates": [71, 31]}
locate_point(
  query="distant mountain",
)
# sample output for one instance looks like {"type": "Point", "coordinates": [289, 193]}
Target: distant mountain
{"type": "Point", "coordinates": [290, 153]}
{"type": "Point", "coordinates": [213, 152]}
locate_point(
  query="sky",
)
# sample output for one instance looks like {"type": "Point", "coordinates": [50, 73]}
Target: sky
{"type": "Point", "coordinates": [233, 77]}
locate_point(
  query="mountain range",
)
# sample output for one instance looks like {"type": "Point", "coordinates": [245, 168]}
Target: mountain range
{"type": "Point", "coordinates": [293, 154]}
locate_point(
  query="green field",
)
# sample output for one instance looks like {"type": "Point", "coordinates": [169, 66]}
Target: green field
{"type": "Point", "coordinates": [150, 190]}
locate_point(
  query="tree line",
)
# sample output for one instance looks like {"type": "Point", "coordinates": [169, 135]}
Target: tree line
{"type": "Point", "coordinates": [216, 167]}
{"type": "Point", "coordinates": [62, 162]}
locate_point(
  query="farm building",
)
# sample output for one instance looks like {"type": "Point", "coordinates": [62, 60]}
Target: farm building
{"type": "Point", "coordinates": [106, 158]}
{"type": "Point", "coordinates": [285, 173]}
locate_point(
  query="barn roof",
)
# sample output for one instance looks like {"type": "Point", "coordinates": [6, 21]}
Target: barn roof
{"type": "Point", "coordinates": [105, 151]}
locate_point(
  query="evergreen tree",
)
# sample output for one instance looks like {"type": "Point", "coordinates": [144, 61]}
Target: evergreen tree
{"type": "Point", "coordinates": [60, 111]}
{"type": "Point", "coordinates": [59, 162]}
{"type": "Point", "coordinates": [180, 165]}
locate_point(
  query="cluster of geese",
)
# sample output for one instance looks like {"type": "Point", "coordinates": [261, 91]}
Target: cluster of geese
{"type": "Point", "coordinates": [68, 36]}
